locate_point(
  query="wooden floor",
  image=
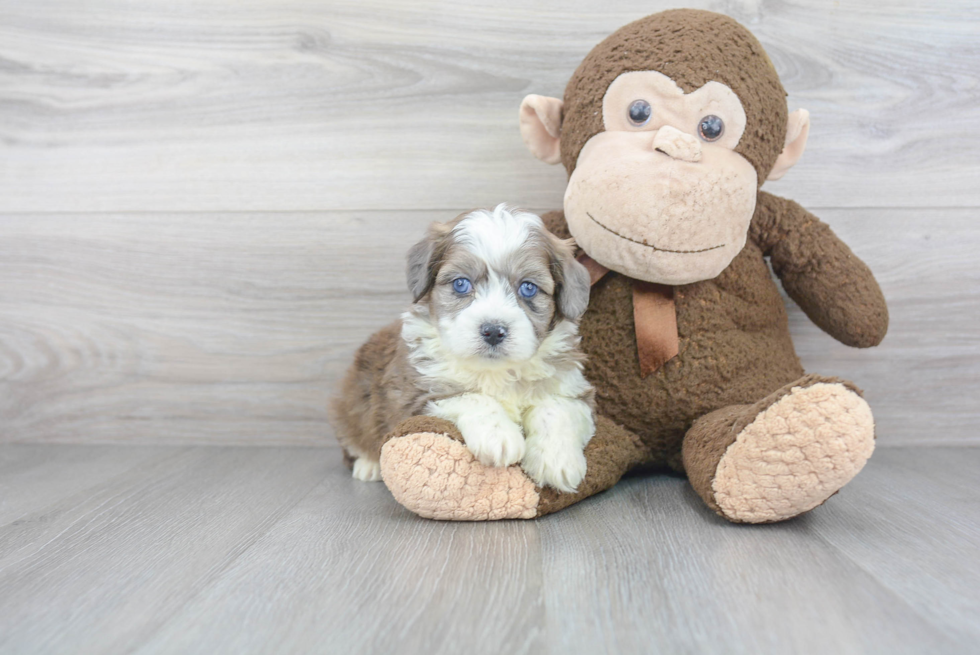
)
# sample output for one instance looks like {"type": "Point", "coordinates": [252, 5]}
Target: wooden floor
{"type": "Point", "coordinates": [109, 549]}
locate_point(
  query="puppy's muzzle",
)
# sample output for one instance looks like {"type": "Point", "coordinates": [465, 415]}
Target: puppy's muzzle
{"type": "Point", "coordinates": [493, 333]}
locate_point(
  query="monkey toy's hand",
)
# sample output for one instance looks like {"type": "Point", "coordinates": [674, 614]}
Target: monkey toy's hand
{"type": "Point", "coordinates": [820, 273]}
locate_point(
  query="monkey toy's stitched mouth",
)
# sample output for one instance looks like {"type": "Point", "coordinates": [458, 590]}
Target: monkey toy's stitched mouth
{"type": "Point", "coordinates": [642, 243]}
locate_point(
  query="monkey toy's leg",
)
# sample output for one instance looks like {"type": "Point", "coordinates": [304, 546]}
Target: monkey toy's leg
{"type": "Point", "coordinates": [430, 472]}
{"type": "Point", "coordinates": [782, 456]}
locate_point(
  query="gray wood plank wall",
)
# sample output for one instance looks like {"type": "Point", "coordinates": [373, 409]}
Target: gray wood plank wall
{"type": "Point", "coordinates": [204, 205]}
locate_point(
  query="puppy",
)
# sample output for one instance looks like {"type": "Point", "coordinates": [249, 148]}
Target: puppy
{"type": "Point", "coordinates": [490, 344]}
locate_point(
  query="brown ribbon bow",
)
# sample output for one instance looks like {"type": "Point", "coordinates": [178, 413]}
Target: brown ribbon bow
{"type": "Point", "coordinates": [654, 318]}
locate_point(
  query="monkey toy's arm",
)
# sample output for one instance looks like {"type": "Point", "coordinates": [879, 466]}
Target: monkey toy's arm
{"type": "Point", "coordinates": [829, 283]}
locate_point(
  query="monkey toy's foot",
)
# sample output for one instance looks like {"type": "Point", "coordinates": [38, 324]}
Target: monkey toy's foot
{"type": "Point", "coordinates": [431, 472]}
{"type": "Point", "coordinates": [782, 456]}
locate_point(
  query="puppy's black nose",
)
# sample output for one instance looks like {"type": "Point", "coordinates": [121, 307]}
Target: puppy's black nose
{"type": "Point", "coordinates": [493, 333]}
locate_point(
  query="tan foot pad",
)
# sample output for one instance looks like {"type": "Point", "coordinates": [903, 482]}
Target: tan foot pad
{"type": "Point", "coordinates": [795, 455]}
{"type": "Point", "coordinates": [437, 477]}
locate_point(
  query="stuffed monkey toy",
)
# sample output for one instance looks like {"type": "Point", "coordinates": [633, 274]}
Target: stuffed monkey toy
{"type": "Point", "coordinates": [667, 130]}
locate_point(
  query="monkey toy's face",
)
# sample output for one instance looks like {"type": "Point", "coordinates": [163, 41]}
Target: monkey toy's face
{"type": "Point", "coordinates": [660, 191]}
{"type": "Point", "coordinates": [661, 194]}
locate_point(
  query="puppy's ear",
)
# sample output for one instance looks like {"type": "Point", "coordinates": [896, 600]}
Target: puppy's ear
{"type": "Point", "coordinates": [572, 281]}
{"type": "Point", "coordinates": [424, 259]}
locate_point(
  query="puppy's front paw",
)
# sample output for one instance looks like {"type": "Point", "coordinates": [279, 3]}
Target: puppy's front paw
{"type": "Point", "coordinates": [366, 471]}
{"type": "Point", "coordinates": [497, 443]}
{"type": "Point", "coordinates": [554, 464]}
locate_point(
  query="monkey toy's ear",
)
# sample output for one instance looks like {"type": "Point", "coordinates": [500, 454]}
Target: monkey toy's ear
{"type": "Point", "coordinates": [797, 130]}
{"type": "Point", "coordinates": [541, 127]}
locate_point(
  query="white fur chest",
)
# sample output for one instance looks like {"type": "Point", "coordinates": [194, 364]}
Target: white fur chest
{"type": "Point", "coordinates": [553, 371]}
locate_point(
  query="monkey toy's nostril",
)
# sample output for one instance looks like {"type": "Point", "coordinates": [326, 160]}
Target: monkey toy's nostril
{"type": "Point", "coordinates": [493, 333]}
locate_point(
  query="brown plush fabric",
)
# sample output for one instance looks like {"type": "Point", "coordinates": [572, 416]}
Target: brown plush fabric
{"type": "Point", "coordinates": [735, 348]}
{"type": "Point", "coordinates": [612, 452]}
{"type": "Point", "coordinates": [692, 47]}
{"type": "Point", "coordinates": [424, 424]}
{"type": "Point", "coordinates": [832, 286]}
{"type": "Point", "coordinates": [712, 434]}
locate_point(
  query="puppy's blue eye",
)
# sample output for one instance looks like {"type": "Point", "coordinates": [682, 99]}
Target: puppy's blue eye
{"type": "Point", "coordinates": [528, 289]}
{"type": "Point", "coordinates": [462, 285]}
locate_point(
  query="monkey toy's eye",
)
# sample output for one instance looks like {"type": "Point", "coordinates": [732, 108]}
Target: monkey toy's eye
{"type": "Point", "coordinates": [462, 286]}
{"type": "Point", "coordinates": [711, 128]}
{"type": "Point", "coordinates": [640, 112]}
{"type": "Point", "coordinates": [528, 289]}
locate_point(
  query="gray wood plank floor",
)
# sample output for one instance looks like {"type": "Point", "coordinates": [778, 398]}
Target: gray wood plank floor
{"type": "Point", "coordinates": [107, 549]}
